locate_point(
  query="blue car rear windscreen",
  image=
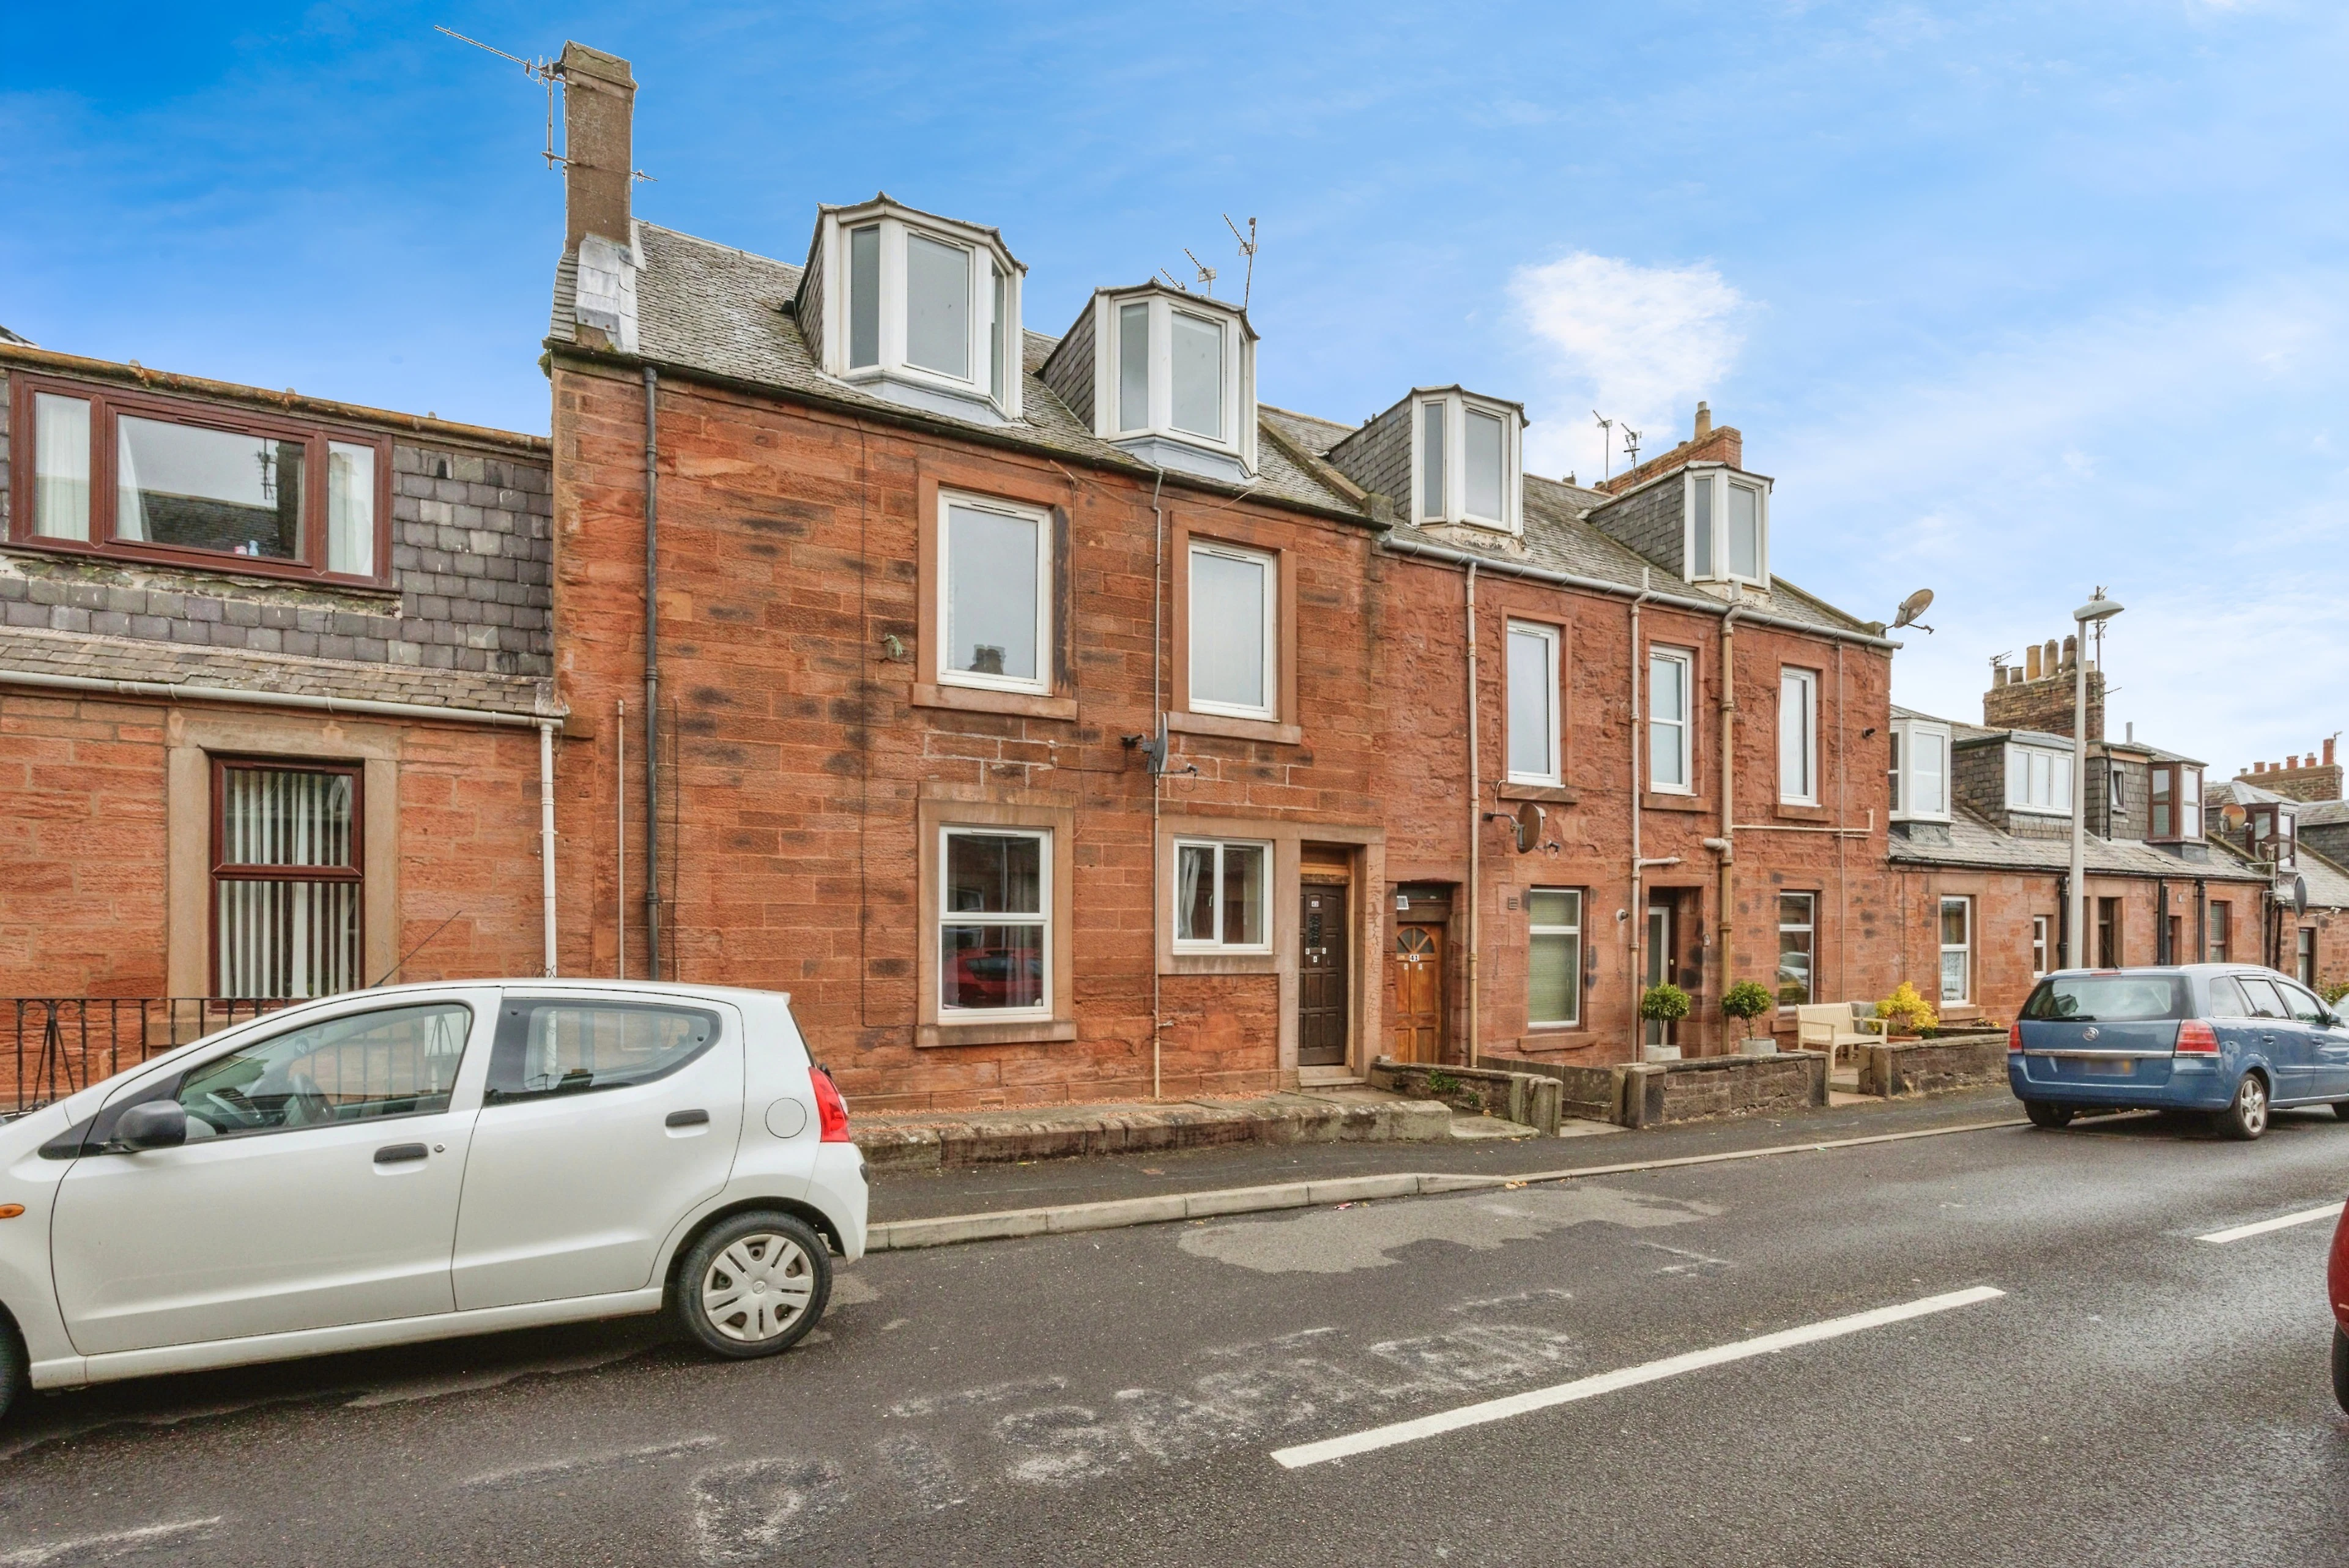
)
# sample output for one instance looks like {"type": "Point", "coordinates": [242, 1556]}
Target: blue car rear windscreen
{"type": "Point", "coordinates": [2109, 999]}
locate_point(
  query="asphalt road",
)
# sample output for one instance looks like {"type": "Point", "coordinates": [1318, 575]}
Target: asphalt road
{"type": "Point", "coordinates": [2134, 1395]}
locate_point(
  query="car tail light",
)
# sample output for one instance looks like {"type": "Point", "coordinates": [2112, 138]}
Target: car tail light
{"type": "Point", "coordinates": [830, 1110]}
{"type": "Point", "coordinates": [2195, 1038]}
{"type": "Point", "coordinates": [2014, 1036]}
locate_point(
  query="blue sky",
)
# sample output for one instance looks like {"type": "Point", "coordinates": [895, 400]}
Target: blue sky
{"type": "Point", "coordinates": [2011, 300]}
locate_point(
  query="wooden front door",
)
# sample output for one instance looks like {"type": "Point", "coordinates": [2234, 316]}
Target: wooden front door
{"type": "Point", "coordinates": [1415, 992]}
{"type": "Point", "coordinates": [1321, 975]}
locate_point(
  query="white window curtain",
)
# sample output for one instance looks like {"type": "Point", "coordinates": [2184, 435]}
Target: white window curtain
{"type": "Point", "coordinates": [1797, 736]}
{"type": "Point", "coordinates": [60, 467]}
{"type": "Point", "coordinates": [350, 509]}
{"type": "Point", "coordinates": [1668, 750]}
{"type": "Point", "coordinates": [1533, 704]}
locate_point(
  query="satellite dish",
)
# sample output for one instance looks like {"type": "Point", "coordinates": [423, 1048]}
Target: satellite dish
{"type": "Point", "coordinates": [2300, 895]}
{"type": "Point", "coordinates": [1528, 825]}
{"type": "Point", "coordinates": [1912, 607]}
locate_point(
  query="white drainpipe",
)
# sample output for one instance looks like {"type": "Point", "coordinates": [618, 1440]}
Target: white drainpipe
{"type": "Point", "coordinates": [546, 835]}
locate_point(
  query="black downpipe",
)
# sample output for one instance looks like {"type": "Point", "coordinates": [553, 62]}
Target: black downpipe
{"type": "Point", "coordinates": [2201, 920]}
{"type": "Point", "coordinates": [652, 681]}
{"type": "Point", "coordinates": [2161, 953]}
{"type": "Point", "coordinates": [2064, 915]}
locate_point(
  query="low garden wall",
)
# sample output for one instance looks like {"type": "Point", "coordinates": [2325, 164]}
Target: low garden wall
{"type": "Point", "coordinates": [1948, 1061]}
{"type": "Point", "coordinates": [1532, 1099]}
{"type": "Point", "coordinates": [1655, 1092]}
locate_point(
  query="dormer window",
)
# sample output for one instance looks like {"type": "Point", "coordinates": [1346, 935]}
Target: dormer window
{"type": "Point", "coordinates": [915, 309]}
{"type": "Point", "coordinates": [2272, 832]}
{"type": "Point", "coordinates": [1465, 459]}
{"type": "Point", "coordinates": [1166, 375]}
{"type": "Point", "coordinates": [1920, 771]}
{"type": "Point", "coordinates": [2174, 814]}
{"type": "Point", "coordinates": [2038, 780]}
{"type": "Point", "coordinates": [1728, 527]}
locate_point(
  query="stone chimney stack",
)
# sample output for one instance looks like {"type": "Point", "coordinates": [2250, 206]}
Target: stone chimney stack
{"type": "Point", "coordinates": [2316, 776]}
{"type": "Point", "coordinates": [599, 100]}
{"type": "Point", "coordinates": [2039, 695]}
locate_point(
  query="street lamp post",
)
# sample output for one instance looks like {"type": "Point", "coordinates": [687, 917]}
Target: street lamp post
{"type": "Point", "coordinates": [2098, 608]}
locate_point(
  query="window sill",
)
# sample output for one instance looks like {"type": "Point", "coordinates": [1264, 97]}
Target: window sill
{"type": "Point", "coordinates": [264, 570]}
{"type": "Point", "coordinates": [979, 700]}
{"type": "Point", "coordinates": [1266, 730]}
{"type": "Point", "coordinates": [1573, 1038]}
{"type": "Point", "coordinates": [1652, 800]}
{"type": "Point", "coordinates": [1193, 963]}
{"type": "Point", "coordinates": [1546, 795]}
{"type": "Point", "coordinates": [1027, 1032]}
{"type": "Point", "coordinates": [1801, 811]}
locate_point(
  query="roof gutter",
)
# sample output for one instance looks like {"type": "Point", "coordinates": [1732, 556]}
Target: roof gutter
{"type": "Point", "coordinates": [1402, 545]}
{"type": "Point", "coordinates": [167, 691]}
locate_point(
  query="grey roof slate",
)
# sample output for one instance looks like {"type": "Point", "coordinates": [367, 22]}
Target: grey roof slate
{"type": "Point", "coordinates": [1974, 843]}
{"type": "Point", "coordinates": [33, 651]}
{"type": "Point", "coordinates": [713, 308]}
{"type": "Point", "coordinates": [2328, 883]}
{"type": "Point", "coordinates": [2318, 813]}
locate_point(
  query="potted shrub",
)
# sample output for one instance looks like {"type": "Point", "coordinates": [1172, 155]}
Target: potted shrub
{"type": "Point", "coordinates": [1665, 1003]}
{"type": "Point", "coordinates": [1905, 1014]}
{"type": "Point", "coordinates": [1745, 1002]}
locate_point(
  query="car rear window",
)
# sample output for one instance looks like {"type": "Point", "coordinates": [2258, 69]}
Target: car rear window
{"type": "Point", "coordinates": [2108, 998]}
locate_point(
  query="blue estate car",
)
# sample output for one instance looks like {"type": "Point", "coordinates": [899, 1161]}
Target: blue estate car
{"type": "Point", "coordinates": [2225, 1039]}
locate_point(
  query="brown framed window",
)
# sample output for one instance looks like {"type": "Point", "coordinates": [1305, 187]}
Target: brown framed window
{"type": "Point", "coordinates": [2221, 934]}
{"type": "Point", "coordinates": [150, 478]}
{"type": "Point", "coordinates": [286, 878]}
{"type": "Point", "coordinates": [2175, 790]}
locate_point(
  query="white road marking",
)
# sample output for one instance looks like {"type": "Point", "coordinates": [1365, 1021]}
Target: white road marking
{"type": "Point", "coordinates": [2281, 1222]}
{"type": "Point", "coordinates": [557, 1469]}
{"type": "Point", "coordinates": [1477, 1415]}
{"type": "Point", "coordinates": [108, 1547]}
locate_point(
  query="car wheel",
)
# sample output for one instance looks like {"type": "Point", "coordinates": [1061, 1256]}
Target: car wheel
{"type": "Point", "coordinates": [2340, 1367]}
{"type": "Point", "coordinates": [2043, 1114]}
{"type": "Point", "coordinates": [13, 1374]}
{"type": "Point", "coordinates": [2247, 1118]}
{"type": "Point", "coordinates": [754, 1285]}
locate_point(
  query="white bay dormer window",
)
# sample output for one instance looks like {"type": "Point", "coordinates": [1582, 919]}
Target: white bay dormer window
{"type": "Point", "coordinates": [1920, 771]}
{"type": "Point", "coordinates": [1166, 375]}
{"type": "Point", "coordinates": [913, 307]}
{"type": "Point", "coordinates": [1728, 526]}
{"type": "Point", "coordinates": [1466, 460]}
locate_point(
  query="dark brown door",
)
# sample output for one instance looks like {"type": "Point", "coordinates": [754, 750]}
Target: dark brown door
{"type": "Point", "coordinates": [1415, 992]}
{"type": "Point", "coordinates": [1321, 976]}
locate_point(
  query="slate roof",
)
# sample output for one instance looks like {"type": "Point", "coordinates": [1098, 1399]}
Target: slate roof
{"type": "Point", "coordinates": [1974, 843]}
{"type": "Point", "coordinates": [28, 649]}
{"type": "Point", "coordinates": [2320, 813]}
{"type": "Point", "coordinates": [708, 308]}
{"type": "Point", "coordinates": [2328, 883]}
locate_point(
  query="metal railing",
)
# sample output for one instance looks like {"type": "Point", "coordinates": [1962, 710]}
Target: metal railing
{"type": "Point", "coordinates": [54, 1045]}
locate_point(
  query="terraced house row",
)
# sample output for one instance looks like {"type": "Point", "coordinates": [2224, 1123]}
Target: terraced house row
{"type": "Point", "coordinates": [1052, 718]}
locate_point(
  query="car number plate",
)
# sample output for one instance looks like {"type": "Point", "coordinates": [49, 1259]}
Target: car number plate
{"type": "Point", "coordinates": [2114, 1067]}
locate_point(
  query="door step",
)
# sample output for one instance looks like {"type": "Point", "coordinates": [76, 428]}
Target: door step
{"type": "Point", "coordinates": [1326, 1077]}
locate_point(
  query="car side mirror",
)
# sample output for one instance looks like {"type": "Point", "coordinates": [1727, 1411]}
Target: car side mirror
{"type": "Point", "coordinates": [154, 1124]}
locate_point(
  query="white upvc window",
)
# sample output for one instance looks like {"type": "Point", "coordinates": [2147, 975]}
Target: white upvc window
{"type": "Point", "coordinates": [1235, 632]}
{"type": "Point", "coordinates": [1554, 958]}
{"type": "Point", "coordinates": [1727, 538]}
{"type": "Point", "coordinates": [1466, 460]}
{"type": "Point", "coordinates": [2040, 944]}
{"type": "Point", "coordinates": [1220, 896]}
{"type": "Point", "coordinates": [1670, 762]}
{"type": "Point", "coordinates": [1920, 771]}
{"type": "Point", "coordinates": [995, 599]}
{"type": "Point", "coordinates": [994, 923]}
{"type": "Point", "coordinates": [2038, 780]}
{"type": "Point", "coordinates": [1798, 736]}
{"type": "Point", "coordinates": [1957, 949]}
{"type": "Point", "coordinates": [1176, 367]}
{"type": "Point", "coordinates": [1533, 704]}
{"type": "Point", "coordinates": [915, 300]}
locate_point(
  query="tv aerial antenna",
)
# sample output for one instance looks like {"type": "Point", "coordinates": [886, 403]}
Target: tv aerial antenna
{"type": "Point", "coordinates": [542, 70]}
{"type": "Point", "coordinates": [1206, 273]}
{"type": "Point", "coordinates": [1631, 448]}
{"type": "Point", "coordinates": [1606, 445]}
{"type": "Point", "coordinates": [1248, 249]}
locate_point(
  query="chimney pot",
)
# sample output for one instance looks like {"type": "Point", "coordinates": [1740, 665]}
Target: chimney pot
{"type": "Point", "coordinates": [2071, 651]}
{"type": "Point", "coordinates": [1703, 421]}
{"type": "Point", "coordinates": [2328, 754]}
{"type": "Point", "coordinates": [2031, 662]}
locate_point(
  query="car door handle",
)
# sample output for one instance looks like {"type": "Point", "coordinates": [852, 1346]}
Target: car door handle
{"type": "Point", "coordinates": [396, 1153]}
{"type": "Point", "coordinates": [688, 1118]}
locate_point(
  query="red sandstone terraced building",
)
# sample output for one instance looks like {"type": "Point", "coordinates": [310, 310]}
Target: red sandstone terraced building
{"type": "Point", "coordinates": [1055, 721]}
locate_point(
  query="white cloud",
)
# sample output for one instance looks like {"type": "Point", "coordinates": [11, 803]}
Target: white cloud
{"type": "Point", "coordinates": [1641, 344]}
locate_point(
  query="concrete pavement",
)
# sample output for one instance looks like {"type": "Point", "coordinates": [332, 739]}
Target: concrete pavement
{"type": "Point", "coordinates": [2133, 1395]}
